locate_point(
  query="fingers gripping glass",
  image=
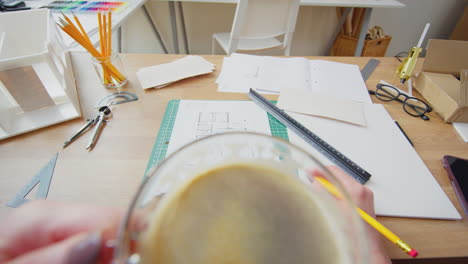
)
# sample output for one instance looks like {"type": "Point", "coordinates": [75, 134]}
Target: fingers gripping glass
{"type": "Point", "coordinates": [411, 105]}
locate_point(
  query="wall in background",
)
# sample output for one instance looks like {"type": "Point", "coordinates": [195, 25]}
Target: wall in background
{"type": "Point", "coordinates": [406, 25]}
{"type": "Point", "coordinates": [313, 29]}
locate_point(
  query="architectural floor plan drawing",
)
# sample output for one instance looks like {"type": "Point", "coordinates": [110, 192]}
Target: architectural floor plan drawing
{"type": "Point", "coordinates": [218, 122]}
{"type": "Point", "coordinates": [200, 118]}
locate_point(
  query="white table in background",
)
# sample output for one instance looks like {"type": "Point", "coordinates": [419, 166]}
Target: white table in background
{"type": "Point", "coordinates": [349, 4]}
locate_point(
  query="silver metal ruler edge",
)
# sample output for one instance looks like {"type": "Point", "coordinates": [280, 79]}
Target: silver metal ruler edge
{"type": "Point", "coordinates": [369, 68]}
{"type": "Point", "coordinates": [323, 147]}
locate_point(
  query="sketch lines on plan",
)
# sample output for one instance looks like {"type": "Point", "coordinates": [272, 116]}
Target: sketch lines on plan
{"type": "Point", "coordinates": [210, 123]}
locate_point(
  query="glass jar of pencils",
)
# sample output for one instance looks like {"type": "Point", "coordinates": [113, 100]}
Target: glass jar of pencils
{"type": "Point", "coordinates": [110, 70]}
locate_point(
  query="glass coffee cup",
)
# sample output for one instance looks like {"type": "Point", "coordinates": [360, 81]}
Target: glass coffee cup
{"type": "Point", "coordinates": [240, 198]}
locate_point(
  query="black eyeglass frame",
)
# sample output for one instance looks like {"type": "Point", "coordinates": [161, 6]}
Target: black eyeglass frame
{"type": "Point", "coordinates": [404, 102]}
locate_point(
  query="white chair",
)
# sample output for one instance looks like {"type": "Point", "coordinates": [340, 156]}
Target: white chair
{"type": "Point", "coordinates": [259, 25]}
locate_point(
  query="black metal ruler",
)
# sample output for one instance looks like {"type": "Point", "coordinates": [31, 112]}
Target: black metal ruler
{"type": "Point", "coordinates": [323, 147]}
{"type": "Point", "coordinates": [369, 68]}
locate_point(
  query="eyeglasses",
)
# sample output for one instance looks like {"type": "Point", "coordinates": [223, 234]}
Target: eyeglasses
{"type": "Point", "coordinates": [412, 105]}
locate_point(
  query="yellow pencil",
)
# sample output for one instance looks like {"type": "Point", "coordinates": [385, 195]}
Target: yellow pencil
{"type": "Point", "coordinates": [109, 31]}
{"type": "Point", "coordinates": [104, 34]}
{"type": "Point", "coordinates": [371, 221]}
{"type": "Point", "coordinates": [80, 36]}
{"type": "Point", "coordinates": [101, 34]}
{"type": "Point", "coordinates": [103, 41]}
{"type": "Point", "coordinates": [83, 31]}
{"type": "Point", "coordinates": [73, 32]}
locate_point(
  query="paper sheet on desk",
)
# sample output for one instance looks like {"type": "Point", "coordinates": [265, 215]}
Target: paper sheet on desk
{"type": "Point", "coordinates": [402, 184]}
{"type": "Point", "coordinates": [284, 73]}
{"type": "Point", "coordinates": [268, 74]}
{"type": "Point", "coordinates": [317, 104]}
{"type": "Point", "coordinates": [338, 79]}
{"type": "Point", "coordinates": [197, 118]}
{"type": "Point", "coordinates": [158, 76]}
{"type": "Point", "coordinates": [462, 130]}
{"type": "Point", "coordinates": [239, 73]}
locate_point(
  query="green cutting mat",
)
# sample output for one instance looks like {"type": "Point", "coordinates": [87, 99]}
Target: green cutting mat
{"type": "Point", "coordinates": [165, 131]}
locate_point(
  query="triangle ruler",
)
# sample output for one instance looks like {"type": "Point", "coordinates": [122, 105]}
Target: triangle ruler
{"type": "Point", "coordinates": [43, 178]}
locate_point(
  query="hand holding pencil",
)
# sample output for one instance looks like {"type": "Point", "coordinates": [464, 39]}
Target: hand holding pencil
{"type": "Point", "coordinates": [363, 197]}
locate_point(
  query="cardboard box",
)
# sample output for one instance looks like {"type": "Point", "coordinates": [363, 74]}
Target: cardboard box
{"type": "Point", "coordinates": [438, 83]}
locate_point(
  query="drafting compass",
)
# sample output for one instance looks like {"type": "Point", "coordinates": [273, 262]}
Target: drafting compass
{"type": "Point", "coordinates": [99, 121]}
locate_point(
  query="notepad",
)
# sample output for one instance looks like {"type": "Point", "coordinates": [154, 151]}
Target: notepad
{"type": "Point", "coordinates": [161, 75]}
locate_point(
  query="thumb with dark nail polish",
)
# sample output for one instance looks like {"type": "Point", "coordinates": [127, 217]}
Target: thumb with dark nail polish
{"type": "Point", "coordinates": [86, 251]}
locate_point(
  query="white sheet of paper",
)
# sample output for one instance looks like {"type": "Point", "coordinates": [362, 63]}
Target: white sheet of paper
{"type": "Point", "coordinates": [197, 119]}
{"type": "Point", "coordinates": [402, 184]}
{"type": "Point", "coordinates": [163, 74]}
{"type": "Point", "coordinates": [239, 73]}
{"type": "Point", "coordinates": [267, 74]}
{"type": "Point", "coordinates": [317, 104]}
{"type": "Point", "coordinates": [338, 79]}
{"type": "Point", "coordinates": [279, 74]}
{"type": "Point", "coordinates": [462, 130]}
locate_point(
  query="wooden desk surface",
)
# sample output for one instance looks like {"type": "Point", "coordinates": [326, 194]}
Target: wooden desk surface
{"type": "Point", "coordinates": [110, 174]}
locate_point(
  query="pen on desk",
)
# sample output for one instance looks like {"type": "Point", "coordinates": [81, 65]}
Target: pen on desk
{"type": "Point", "coordinates": [402, 131]}
{"type": "Point", "coordinates": [371, 221]}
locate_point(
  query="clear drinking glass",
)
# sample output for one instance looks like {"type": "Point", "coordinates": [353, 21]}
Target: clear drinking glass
{"type": "Point", "coordinates": [164, 180]}
{"type": "Point", "coordinates": [110, 70]}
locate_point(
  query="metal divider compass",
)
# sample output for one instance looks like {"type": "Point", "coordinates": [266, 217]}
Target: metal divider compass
{"type": "Point", "coordinates": [99, 121]}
